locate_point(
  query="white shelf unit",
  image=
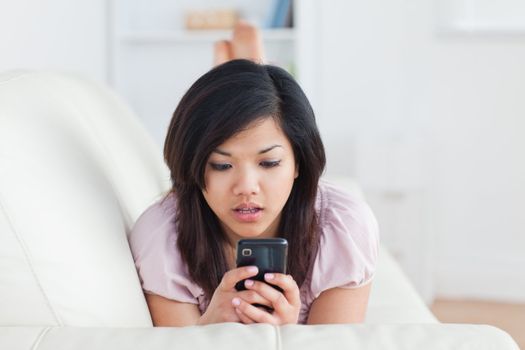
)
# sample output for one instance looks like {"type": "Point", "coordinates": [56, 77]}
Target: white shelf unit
{"type": "Point", "coordinates": [192, 36]}
{"type": "Point", "coordinates": [154, 59]}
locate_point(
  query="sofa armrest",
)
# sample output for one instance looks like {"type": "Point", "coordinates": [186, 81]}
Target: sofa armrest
{"type": "Point", "coordinates": [393, 298]}
{"type": "Point", "coordinates": [231, 336]}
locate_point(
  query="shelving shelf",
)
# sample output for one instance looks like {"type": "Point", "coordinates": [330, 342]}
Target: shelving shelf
{"type": "Point", "coordinates": [198, 36]}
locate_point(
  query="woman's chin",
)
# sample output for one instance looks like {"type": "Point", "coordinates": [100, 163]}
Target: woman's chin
{"type": "Point", "coordinates": [251, 232]}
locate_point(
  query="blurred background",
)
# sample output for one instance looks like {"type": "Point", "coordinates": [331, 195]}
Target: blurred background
{"type": "Point", "coordinates": [421, 101]}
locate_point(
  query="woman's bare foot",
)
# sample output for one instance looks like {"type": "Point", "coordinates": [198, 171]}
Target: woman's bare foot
{"type": "Point", "coordinates": [222, 52]}
{"type": "Point", "coordinates": [246, 43]}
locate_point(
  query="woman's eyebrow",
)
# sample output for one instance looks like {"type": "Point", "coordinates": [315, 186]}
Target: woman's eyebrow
{"type": "Point", "coordinates": [222, 152]}
{"type": "Point", "coordinates": [267, 149]}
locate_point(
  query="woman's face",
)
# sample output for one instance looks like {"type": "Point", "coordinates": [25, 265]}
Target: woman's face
{"type": "Point", "coordinates": [248, 180]}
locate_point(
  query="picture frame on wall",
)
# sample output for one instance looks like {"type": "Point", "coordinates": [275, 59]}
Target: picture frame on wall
{"type": "Point", "coordinates": [480, 16]}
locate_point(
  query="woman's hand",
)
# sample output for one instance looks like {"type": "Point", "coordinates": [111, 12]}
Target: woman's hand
{"type": "Point", "coordinates": [286, 305]}
{"type": "Point", "coordinates": [221, 308]}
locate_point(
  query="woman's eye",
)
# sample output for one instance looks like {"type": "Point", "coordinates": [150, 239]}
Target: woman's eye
{"type": "Point", "coordinates": [270, 164]}
{"type": "Point", "coordinates": [220, 166]}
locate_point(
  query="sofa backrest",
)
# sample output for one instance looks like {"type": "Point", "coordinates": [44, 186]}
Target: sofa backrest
{"type": "Point", "coordinates": [76, 170]}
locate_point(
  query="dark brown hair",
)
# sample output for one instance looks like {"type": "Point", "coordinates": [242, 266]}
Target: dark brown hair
{"type": "Point", "coordinates": [217, 106]}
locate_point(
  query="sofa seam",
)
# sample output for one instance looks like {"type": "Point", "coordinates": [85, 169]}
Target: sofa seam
{"type": "Point", "coordinates": [278, 339]}
{"type": "Point", "coordinates": [22, 73]}
{"type": "Point", "coordinates": [27, 256]}
{"type": "Point", "coordinates": [40, 337]}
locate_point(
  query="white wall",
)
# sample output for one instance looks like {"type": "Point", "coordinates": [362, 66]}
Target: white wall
{"type": "Point", "coordinates": [390, 77]}
{"type": "Point", "coordinates": [54, 34]}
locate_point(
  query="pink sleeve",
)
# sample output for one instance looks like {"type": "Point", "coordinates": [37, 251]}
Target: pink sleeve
{"type": "Point", "coordinates": [349, 243]}
{"type": "Point", "coordinates": [153, 243]}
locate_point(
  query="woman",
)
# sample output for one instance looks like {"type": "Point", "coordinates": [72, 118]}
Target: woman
{"type": "Point", "coordinates": [245, 157]}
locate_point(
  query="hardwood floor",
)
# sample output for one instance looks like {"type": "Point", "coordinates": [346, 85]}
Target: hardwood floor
{"type": "Point", "coordinates": [509, 317]}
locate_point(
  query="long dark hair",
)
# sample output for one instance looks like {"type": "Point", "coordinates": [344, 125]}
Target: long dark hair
{"type": "Point", "coordinates": [217, 106]}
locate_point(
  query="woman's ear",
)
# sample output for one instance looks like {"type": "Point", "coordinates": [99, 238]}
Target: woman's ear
{"type": "Point", "coordinates": [296, 174]}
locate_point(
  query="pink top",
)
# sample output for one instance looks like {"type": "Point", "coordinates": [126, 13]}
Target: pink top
{"type": "Point", "coordinates": [346, 257]}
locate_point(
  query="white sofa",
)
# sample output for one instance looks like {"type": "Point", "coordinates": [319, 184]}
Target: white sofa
{"type": "Point", "coordinates": [76, 170]}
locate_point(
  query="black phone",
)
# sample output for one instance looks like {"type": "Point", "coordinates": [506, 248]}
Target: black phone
{"type": "Point", "coordinates": [268, 254]}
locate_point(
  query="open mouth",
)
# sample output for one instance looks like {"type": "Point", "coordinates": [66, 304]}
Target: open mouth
{"type": "Point", "coordinates": [248, 212]}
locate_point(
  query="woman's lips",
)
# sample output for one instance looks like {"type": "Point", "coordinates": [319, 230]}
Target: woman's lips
{"type": "Point", "coordinates": [247, 214]}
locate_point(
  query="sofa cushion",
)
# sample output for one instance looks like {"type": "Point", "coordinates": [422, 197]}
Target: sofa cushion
{"type": "Point", "coordinates": [76, 170]}
{"type": "Point", "coordinates": [232, 336]}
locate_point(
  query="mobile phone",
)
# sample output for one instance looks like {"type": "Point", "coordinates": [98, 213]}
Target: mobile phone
{"type": "Point", "coordinates": [268, 254]}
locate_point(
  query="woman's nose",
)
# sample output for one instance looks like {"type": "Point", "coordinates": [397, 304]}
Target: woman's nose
{"type": "Point", "coordinates": [246, 183]}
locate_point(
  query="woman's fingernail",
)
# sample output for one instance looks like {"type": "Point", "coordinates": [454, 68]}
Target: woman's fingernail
{"type": "Point", "coordinates": [269, 276]}
{"type": "Point", "coordinates": [236, 301]}
{"type": "Point", "coordinates": [253, 269]}
{"type": "Point", "coordinates": [248, 283]}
